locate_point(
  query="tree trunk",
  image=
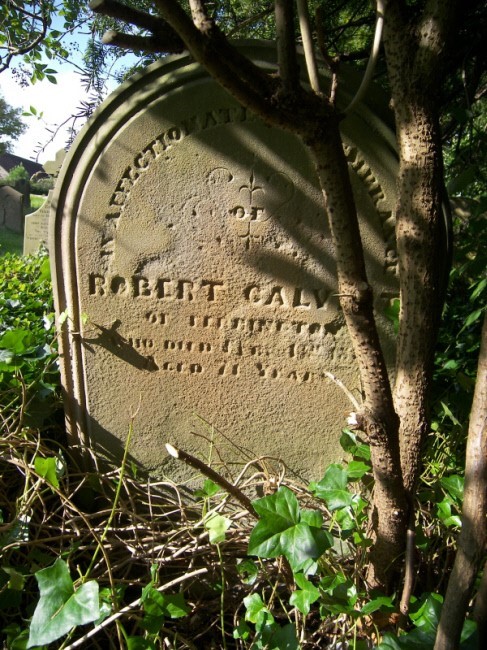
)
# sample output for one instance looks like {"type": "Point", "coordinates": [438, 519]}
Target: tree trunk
{"type": "Point", "coordinates": [473, 536]}
{"type": "Point", "coordinates": [377, 417]}
{"type": "Point", "coordinates": [414, 52]}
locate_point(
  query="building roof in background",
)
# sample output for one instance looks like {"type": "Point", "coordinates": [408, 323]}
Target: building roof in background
{"type": "Point", "coordinates": [8, 161]}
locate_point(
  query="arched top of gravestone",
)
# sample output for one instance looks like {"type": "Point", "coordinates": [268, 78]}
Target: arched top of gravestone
{"type": "Point", "coordinates": [192, 257]}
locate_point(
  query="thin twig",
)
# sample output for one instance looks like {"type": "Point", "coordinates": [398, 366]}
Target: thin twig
{"type": "Point", "coordinates": [341, 385]}
{"type": "Point", "coordinates": [374, 55]}
{"type": "Point", "coordinates": [132, 606]}
{"type": "Point", "coordinates": [192, 461]}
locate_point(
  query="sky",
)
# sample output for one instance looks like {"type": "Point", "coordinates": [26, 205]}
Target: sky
{"type": "Point", "coordinates": [56, 101]}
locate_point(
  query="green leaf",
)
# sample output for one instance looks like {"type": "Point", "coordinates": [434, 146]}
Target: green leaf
{"type": "Point", "coordinates": [356, 469]}
{"type": "Point", "coordinates": [280, 638]}
{"type": "Point", "coordinates": [313, 518]}
{"type": "Point", "coordinates": [45, 270]}
{"type": "Point", "coordinates": [248, 571]}
{"type": "Point", "coordinates": [60, 607]}
{"type": "Point", "coordinates": [280, 531]}
{"type": "Point", "coordinates": [377, 603]}
{"type": "Point", "coordinates": [16, 580]}
{"type": "Point", "coordinates": [302, 543]}
{"type": "Point", "coordinates": [256, 611]}
{"type": "Point", "coordinates": [333, 488]}
{"type": "Point", "coordinates": [443, 510]}
{"type": "Point", "coordinates": [209, 490]}
{"type": "Point", "coordinates": [242, 631]}
{"type": "Point", "coordinates": [427, 615]}
{"type": "Point", "coordinates": [166, 605]}
{"type": "Point", "coordinates": [278, 512]}
{"type": "Point", "coordinates": [351, 444]}
{"type": "Point", "coordinates": [217, 525]}
{"type": "Point", "coordinates": [305, 596]}
{"type": "Point", "coordinates": [471, 318]}
{"type": "Point", "coordinates": [47, 467]}
{"type": "Point", "coordinates": [453, 485]}
{"type": "Point", "coordinates": [17, 340]}
{"type": "Point", "coordinates": [478, 289]}
{"type": "Point", "coordinates": [139, 643]}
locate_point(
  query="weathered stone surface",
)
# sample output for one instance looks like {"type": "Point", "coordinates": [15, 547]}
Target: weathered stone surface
{"type": "Point", "coordinates": [11, 209]}
{"type": "Point", "coordinates": [36, 230]}
{"type": "Point", "coordinates": [192, 240]}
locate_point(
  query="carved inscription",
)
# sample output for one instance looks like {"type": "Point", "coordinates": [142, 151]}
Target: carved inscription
{"type": "Point", "coordinates": [203, 344]}
{"type": "Point", "coordinates": [207, 326]}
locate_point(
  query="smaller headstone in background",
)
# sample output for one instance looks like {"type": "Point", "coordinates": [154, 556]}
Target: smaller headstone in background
{"type": "Point", "coordinates": [11, 209]}
{"type": "Point", "coordinates": [37, 227]}
{"type": "Point", "coordinates": [52, 167]}
{"type": "Point", "coordinates": [22, 185]}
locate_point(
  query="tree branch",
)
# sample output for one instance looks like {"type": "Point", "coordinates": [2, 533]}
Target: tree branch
{"type": "Point", "coordinates": [286, 46]}
{"type": "Point", "coordinates": [473, 536]}
{"type": "Point", "coordinates": [308, 46]}
{"type": "Point", "coordinates": [164, 38]}
{"type": "Point", "coordinates": [154, 44]}
{"type": "Point", "coordinates": [374, 55]}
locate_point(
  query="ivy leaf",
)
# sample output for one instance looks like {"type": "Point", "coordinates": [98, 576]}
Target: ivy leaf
{"type": "Point", "coordinates": [443, 510]}
{"type": "Point", "coordinates": [210, 488]}
{"type": "Point", "coordinates": [350, 443]}
{"type": "Point", "coordinates": [313, 518]}
{"type": "Point", "coordinates": [376, 604]}
{"type": "Point", "coordinates": [17, 340]}
{"type": "Point", "coordinates": [217, 525]}
{"type": "Point", "coordinates": [256, 611]}
{"type": "Point", "coordinates": [453, 485]}
{"type": "Point", "coordinates": [280, 531]}
{"type": "Point", "coordinates": [278, 512]}
{"type": "Point", "coordinates": [47, 468]}
{"type": "Point", "coordinates": [356, 469]}
{"type": "Point", "coordinates": [333, 488]}
{"type": "Point", "coordinates": [305, 596]}
{"type": "Point", "coordinates": [276, 637]}
{"type": "Point", "coordinates": [60, 607]}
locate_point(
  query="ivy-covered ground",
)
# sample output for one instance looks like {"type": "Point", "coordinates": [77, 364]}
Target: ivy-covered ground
{"type": "Point", "coordinates": [94, 558]}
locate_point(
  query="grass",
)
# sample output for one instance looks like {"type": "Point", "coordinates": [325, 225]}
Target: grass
{"type": "Point", "coordinates": [36, 201]}
{"type": "Point", "coordinates": [11, 242]}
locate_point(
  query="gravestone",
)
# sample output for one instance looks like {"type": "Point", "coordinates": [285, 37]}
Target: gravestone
{"type": "Point", "coordinates": [11, 209]}
{"type": "Point", "coordinates": [192, 256]}
{"type": "Point", "coordinates": [36, 231]}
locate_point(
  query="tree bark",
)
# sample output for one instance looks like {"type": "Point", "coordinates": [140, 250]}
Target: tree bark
{"type": "Point", "coordinates": [377, 417]}
{"type": "Point", "coordinates": [473, 536]}
{"type": "Point", "coordinates": [415, 53]}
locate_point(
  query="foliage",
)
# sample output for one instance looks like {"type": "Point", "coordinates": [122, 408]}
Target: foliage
{"type": "Point", "coordinates": [17, 173]}
{"type": "Point", "coordinates": [60, 606]}
{"type": "Point", "coordinates": [11, 125]}
{"type": "Point", "coordinates": [42, 186]}
{"type": "Point", "coordinates": [29, 378]}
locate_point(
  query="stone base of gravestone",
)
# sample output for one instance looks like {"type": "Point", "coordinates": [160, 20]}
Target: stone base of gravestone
{"type": "Point", "coordinates": [36, 231]}
{"type": "Point", "coordinates": [192, 255]}
{"type": "Point", "coordinates": [11, 209]}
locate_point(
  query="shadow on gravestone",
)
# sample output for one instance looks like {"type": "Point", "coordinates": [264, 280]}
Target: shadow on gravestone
{"type": "Point", "coordinates": [193, 257]}
{"type": "Point", "coordinates": [11, 209]}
